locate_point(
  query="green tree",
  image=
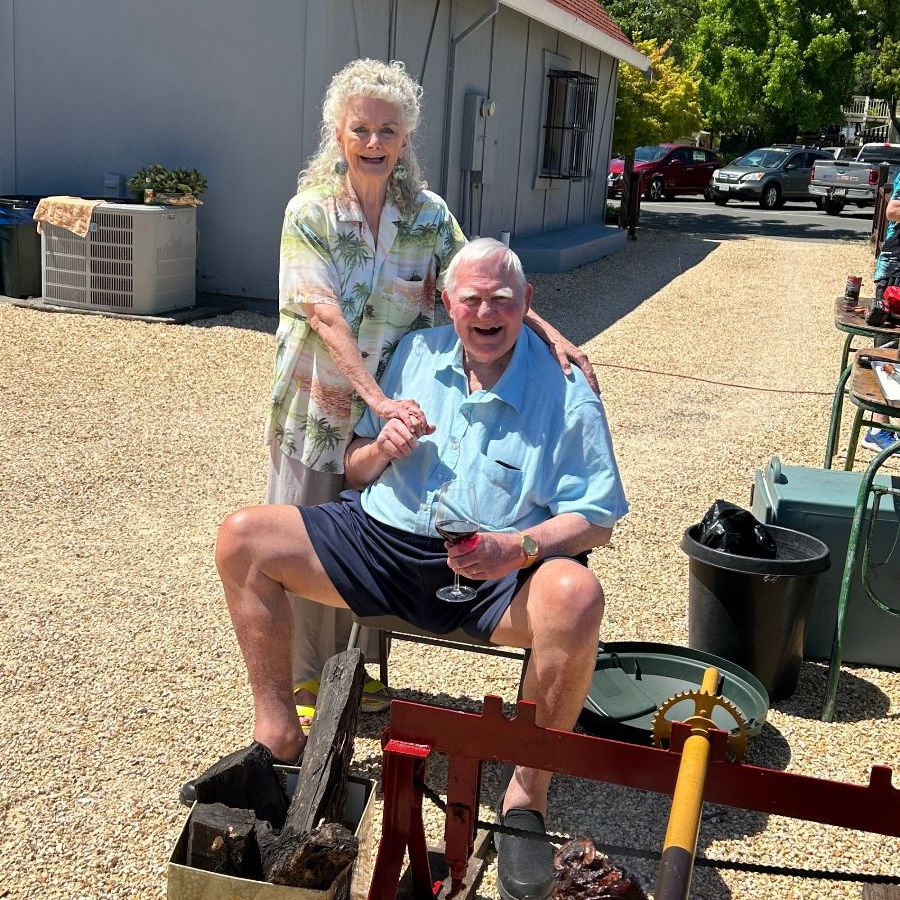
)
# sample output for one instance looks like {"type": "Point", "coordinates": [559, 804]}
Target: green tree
{"type": "Point", "coordinates": [661, 109]}
{"type": "Point", "coordinates": [777, 65]}
{"type": "Point", "coordinates": [663, 20]}
{"type": "Point", "coordinates": [878, 65]}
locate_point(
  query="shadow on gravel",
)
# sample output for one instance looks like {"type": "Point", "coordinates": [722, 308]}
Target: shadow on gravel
{"type": "Point", "coordinates": [857, 700]}
{"type": "Point", "coordinates": [618, 283]}
{"type": "Point", "coordinates": [221, 308]}
{"type": "Point", "coordinates": [580, 303]}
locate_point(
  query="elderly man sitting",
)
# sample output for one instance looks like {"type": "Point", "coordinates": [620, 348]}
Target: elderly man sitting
{"type": "Point", "coordinates": [535, 444]}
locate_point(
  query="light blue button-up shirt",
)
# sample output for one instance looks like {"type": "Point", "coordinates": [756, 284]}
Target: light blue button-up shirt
{"type": "Point", "coordinates": [534, 446]}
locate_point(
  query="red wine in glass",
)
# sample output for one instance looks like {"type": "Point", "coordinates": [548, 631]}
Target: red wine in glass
{"type": "Point", "coordinates": [455, 531]}
{"type": "Point", "coordinates": [456, 521]}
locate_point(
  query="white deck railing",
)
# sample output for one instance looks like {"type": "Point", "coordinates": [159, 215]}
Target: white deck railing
{"type": "Point", "coordinates": [866, 108]}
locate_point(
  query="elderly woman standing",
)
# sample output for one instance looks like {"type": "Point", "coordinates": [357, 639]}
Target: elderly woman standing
{"type": "Point", "coordinates": [363, 250]}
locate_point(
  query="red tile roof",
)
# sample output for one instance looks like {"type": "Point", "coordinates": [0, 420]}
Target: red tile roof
{"type": "Point", "coordinates": [594, 14]}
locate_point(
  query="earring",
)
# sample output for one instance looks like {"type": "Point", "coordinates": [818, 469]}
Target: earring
{"type": "Point", "coordinates": [400, 171]}
{"type": "Point", "coordinates": [341, 167]}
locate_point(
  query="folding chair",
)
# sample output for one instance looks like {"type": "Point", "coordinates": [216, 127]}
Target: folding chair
{"type": "Point", "coordinates": [390, 627]}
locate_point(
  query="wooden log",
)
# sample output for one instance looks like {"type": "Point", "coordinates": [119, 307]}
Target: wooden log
{"type": "Point", "coordinates": [311, 860]}
{"type": "Point", "coordinates": [320, 784]}
{"type": "Point", "coordinates": [326, 760]}
{"type": "Point", "coordinates": [222, 839]}
{"type": "Point", "coordinates": [246, 779]}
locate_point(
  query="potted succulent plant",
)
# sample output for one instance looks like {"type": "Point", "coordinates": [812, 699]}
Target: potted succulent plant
{"type": "Point", "coordinates": [172, 187]}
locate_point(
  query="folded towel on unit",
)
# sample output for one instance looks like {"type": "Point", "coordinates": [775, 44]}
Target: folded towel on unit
{"type": "Point", "coordinates": [72, 213]}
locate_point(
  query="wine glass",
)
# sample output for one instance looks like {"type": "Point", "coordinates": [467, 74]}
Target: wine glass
{"type": "Point", "coordinates": [456, 521]}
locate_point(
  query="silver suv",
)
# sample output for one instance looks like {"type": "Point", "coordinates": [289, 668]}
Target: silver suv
{"type": "Point", "coordinates": [770, 176]}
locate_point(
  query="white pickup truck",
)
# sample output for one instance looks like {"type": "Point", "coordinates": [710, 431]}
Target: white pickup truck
{"type": "Point", "coordinates": [856, 181]}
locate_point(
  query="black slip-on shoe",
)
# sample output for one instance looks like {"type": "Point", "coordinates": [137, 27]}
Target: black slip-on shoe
{"type": "Point", "coordinates": [524, 866]}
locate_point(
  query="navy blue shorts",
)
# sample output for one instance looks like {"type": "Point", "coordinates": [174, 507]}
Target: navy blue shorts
{"type": "Point", "coordinates": [383, 571]}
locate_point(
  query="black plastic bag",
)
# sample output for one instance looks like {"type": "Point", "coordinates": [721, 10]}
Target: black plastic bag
{"type": "Point", "coordinates": [735, 530]}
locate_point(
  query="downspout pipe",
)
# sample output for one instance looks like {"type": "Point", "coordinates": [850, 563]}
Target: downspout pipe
{"type": "Point", "coordinates": [448, 98]}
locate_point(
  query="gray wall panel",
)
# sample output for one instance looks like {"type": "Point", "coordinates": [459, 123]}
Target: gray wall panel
{"type": "Point", "coordinates": [413, 25]}
{"type": "Point", "coordinates": [371, 25]}
{"type": "Point", "coordinates": [507, 78]}
{"type": "Point", "coordinates": [7, 99]}
{"type": "Point", "coordinates": [606, 113]}
{"type": "Point", "coordinates": [197, 95]}
{"type": "Point", "coordinates": [530, 204]}
{"type": "Point", "coordinates": [472, 75]}
{"type": "Point", "coordinates": [582, 206]}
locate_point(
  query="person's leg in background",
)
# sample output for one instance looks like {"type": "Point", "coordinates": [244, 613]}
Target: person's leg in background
{"type": "Point", "coordinates": [878, 439]}
{"type": "Point", "coordinates": [319, 631]}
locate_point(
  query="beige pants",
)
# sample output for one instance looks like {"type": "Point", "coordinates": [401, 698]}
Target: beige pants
{"type": "Point", "coordinates": [319, 631]}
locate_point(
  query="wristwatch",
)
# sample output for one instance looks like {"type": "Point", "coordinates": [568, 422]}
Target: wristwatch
{"type": "Point", "coordinates": [530, 549]}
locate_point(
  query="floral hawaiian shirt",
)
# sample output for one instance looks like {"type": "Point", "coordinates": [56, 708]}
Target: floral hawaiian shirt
{"type": "Point", "coordinates": [384, 292]}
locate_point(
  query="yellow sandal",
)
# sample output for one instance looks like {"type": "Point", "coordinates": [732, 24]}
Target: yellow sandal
{"type": "Point", "coordinates": [307, 712]}
{"type": "Point", "coordinates": [375, 697]}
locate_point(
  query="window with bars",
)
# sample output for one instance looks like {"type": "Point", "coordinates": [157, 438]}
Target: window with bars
{"type": "Point", "coordinates": [569, 125]}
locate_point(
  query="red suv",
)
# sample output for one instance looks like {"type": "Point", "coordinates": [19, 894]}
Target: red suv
{"type": "Point", "coordinates": [667, 170]}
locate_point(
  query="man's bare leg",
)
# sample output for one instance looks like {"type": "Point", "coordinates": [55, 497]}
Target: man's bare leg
{"type": "Point", "coordinates": [557, 613]}
{"type": "Point", "coordinates": [262, 551]}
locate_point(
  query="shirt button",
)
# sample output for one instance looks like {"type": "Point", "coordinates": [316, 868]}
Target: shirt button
{"type": "Point", "coordinates": [364, 354]}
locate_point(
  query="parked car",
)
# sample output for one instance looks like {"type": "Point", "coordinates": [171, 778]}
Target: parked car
{"type": "Point", "coordinates": [769, 175]}
{"type": "Point", "coordinates": [841, 152]}
{"type": "Point", "coordinates": [667, 170]}
{"type": "Point", "coordinates": [838, 182]}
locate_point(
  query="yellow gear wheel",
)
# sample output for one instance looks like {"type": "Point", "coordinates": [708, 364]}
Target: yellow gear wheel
{"type": "Point", "coordinates": [702, 720]}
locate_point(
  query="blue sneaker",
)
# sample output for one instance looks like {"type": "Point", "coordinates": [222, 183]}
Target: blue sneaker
{"type": "Point", "coordinates": [879, 440]}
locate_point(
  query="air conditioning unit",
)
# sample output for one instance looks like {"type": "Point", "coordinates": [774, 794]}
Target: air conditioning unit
{"type": "Point", "coordinates": [134, 259]}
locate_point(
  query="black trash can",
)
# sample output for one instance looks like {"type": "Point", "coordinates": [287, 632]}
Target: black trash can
{"type": "Point", "coordinates": [754, 611]}
{"type": "Point", "coordinates": [20, 247]}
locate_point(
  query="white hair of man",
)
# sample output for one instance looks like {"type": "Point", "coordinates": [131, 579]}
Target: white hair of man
{"type": "Point", "coordinates": [482, 249]}
{"type": "Point", "coordinates": [383, 81]}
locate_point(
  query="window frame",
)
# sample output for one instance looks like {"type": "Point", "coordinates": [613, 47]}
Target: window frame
{"type": "Point", "coordinates": [579, 115]}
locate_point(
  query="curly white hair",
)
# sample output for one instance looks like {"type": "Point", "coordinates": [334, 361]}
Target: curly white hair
{"type": "Point", "coordinates": [384, 81]}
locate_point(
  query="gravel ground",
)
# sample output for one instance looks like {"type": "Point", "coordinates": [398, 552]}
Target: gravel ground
{"type": "Point", "coordinates": [124, 444]}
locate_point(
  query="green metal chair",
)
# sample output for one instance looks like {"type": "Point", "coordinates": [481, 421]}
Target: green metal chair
{"type": "Point", "coordinates": [863, 405]}
{"type": "Point", "coordinates": [866, 488]}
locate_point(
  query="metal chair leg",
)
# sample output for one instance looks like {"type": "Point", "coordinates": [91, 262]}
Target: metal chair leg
{"type": "Point", "coordinates": [840, 625]}
{"type": "Point", "coordinates": [845, 354]}
{"type": "Point", "coordinates": [383, 656]}
{"type": "Point", "coordinates": [354, 636]}
{"type": "Point", "coordinates": [834, 426]}
{"type": "Point", "coordinates": [854, 439]}
{"type": "Point", "coordinates": [525, 660]}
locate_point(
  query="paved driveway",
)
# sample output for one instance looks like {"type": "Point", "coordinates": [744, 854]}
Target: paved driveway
{"type": "Point", "coordinates": [797, 221]}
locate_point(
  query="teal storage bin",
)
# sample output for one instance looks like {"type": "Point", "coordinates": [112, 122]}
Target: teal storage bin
{"type": "Point", "coordinates": [821, 502]}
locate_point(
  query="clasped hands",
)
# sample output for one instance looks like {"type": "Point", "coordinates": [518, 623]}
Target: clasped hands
{"type": "Point", "coordinates": [485, 556]}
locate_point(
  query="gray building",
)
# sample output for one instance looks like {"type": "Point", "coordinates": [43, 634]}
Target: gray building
{"type": "Point", "coordinates": [519, 107]}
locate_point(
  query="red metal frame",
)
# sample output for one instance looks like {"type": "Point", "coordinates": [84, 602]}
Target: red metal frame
{"type": "Point", "coordinates": [471, 739]}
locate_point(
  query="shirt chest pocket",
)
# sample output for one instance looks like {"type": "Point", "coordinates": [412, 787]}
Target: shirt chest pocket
{"type": "Point", "coordinates": [499, 492]}
{"type": "Point", "coordinates": [408, 299]}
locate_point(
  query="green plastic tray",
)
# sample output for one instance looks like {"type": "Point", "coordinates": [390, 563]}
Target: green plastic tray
{"type": "Point", "coordinates": [632, 678]}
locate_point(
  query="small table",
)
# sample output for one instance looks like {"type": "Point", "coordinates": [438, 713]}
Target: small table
{"type": "Point", "coordinates": [854, 324]}
{"type": "Point", "coordinates": [865, 394]}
